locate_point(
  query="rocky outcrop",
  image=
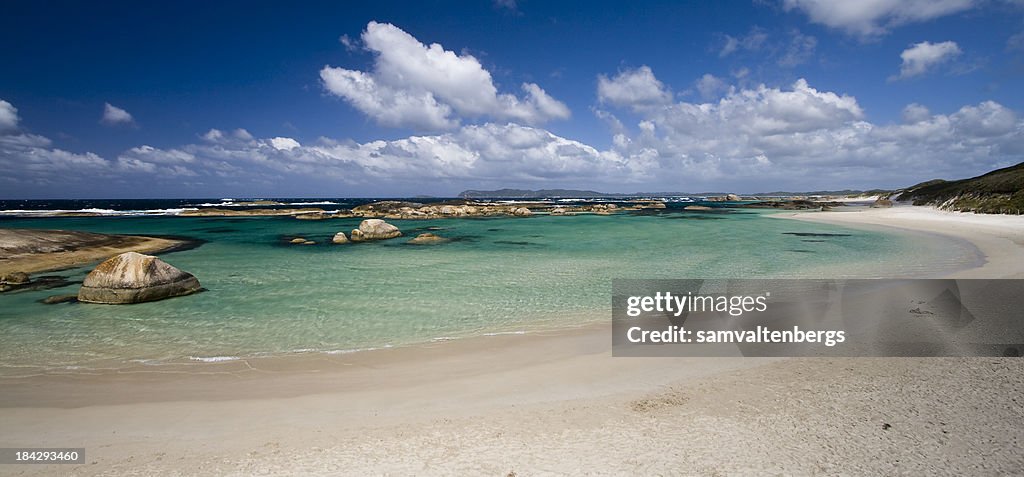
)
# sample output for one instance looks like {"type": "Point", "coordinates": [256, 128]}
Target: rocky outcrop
{"type": "Point", "coordinates": [135, 278]}
{"type": "Point", "coordinates": [391, 209]}
{"type": "Point", "coordinates": [374, 229]}
{"type": "Point", "coordinates": [339, 238]}
{"type": "Point", "coordinates": [297, 240]}
{"type": "Point", "coordinates": [881, 203]}
{"type": "Point", "coordinates": [15, 278]}
{"type": "Point", "coordinates": [724, 198]}
{"type": "Point", "coordinates": [789, 205]}
{"type": "Point", "coordinates": [427, 238]}
{"type": "Point", "coordinates": [313, 216]}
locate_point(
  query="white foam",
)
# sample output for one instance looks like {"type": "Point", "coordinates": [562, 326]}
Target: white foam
{"type": "Point", "coordinates": [355, 350]}
{"type": "Point", "coordinates": [103, 212]}
{"type": "Point", "coordinates": [214, 359]}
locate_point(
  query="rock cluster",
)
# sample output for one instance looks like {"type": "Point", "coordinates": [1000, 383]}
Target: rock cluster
{"type": "Point", "coordinates": [724, 198]}
{"type": "Point", "coordinates": [599, 209]}
{"type": "Point", "coordinates": [789, 205]}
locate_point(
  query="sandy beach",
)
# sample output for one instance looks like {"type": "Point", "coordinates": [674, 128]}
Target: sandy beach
{"type": "Point", "coordinates": [1000, 238]}
{"type": "Point", "coordinates": [549, 403]}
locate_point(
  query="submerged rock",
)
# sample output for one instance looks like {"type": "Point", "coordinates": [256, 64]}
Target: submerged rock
{"type": "Point", "coordinates": [135, 278]}
{"type": "Point", "coordinates": [297, 240]}
{"type": "Point", "coordinates": [697, 207]}
{"type": "Point", "coordinates": [374, 229]}
{"type": "Point", "coordinates": [427, 238]}
{"type": "Point", "coordinates": [54, 299]}
{"type": "Point", "coordinates": [339, 238]}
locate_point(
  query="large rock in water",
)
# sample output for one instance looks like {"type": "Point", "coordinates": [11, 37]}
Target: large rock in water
{"type": "Point", "coordinates": [135, 278]}
{"type": "Point", "coordinates": [374, 229]}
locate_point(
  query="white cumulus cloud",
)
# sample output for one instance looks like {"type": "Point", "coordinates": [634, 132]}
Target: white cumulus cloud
{"type": "Point", "coordinates": [875, 17]}
{"type": "Point", "coordinates": [924, 56]}
{"type": "Point", "coordinates": [636, 87]}
{"type": "Point", "coordinates": [8, 116]}
{"type": "Point", "coordinates": [709, 86]}
{"type": "Point", "coordinates": [801, 137]}
{"type": "Point", "coordinates": [431, 88]}
{"type": "Point", "coordinates": [284, 143]}
{"type": "Point", "coordinates": [113, 115]}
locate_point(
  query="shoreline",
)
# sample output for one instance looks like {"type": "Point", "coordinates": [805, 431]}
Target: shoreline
{"type": "Point", "coordinates": [999, 238]}
{"type": "Point", "coordinates": [522, 403]}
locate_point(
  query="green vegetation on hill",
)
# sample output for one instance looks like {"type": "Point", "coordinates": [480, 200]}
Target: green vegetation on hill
{"type": "Point", "coordinates": [998, 192]}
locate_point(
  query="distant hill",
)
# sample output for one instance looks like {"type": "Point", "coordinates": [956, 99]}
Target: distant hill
{"type": "Point", "coordinates": [998, 192]}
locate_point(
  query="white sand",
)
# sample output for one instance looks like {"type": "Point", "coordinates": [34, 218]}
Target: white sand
{"type": "Point", "coordinates": [550, 403]}
{"type": "Point", "coordinates": [999, 237]}
{"type": "Point", "coordinates": [867, 199]}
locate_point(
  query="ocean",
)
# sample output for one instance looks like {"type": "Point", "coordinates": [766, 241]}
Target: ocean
{"type": "Point", "coordinates": [266, 297]}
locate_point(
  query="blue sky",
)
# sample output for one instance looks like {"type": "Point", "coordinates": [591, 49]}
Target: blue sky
{"type": "Point", "coordinates": [190, 99]}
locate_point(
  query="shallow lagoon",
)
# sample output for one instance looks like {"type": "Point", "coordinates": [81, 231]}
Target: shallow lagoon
{"type": "Point", "coordinates": [497, 275]}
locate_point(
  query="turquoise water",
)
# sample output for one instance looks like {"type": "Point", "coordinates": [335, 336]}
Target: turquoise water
{"type": "Point", "coordinates": [498, 275]}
